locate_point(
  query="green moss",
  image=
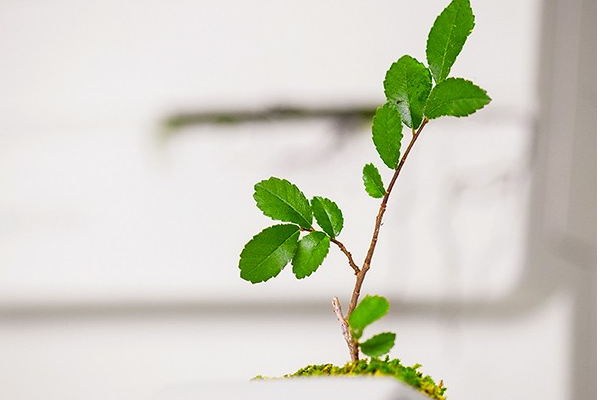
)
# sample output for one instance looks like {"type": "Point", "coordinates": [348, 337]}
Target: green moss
{"type": "Point", "coordinates": [377, 367]}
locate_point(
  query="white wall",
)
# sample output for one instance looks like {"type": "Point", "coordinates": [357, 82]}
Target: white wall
{"type": "Point", "coordinates": [119, 244]}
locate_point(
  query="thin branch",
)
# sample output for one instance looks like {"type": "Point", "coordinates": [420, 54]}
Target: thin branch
{"type": "Point", "coordinates": [348, 255]}
{"type": "Point", "coordinates": [352, 345]}
{"type": "Point", "coordinates": [360, 277]}
{"type": "Point", "coordinates": [342, 248]}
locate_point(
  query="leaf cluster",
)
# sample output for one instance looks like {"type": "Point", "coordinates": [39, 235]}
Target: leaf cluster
{"type": "Point", "coordinates": [268, 252]}
{"type": "Point", "coordinates": [412, 98]}
{"type": "Point", "coordinates": [369, 310]}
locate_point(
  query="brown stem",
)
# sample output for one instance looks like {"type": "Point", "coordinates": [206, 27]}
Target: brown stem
{"type": "Point", "coordinates": [348, 255]}
{"type": "Point", "coordinates": [342, 248]}
{"type": "Point", "coordinates": [360, 276]}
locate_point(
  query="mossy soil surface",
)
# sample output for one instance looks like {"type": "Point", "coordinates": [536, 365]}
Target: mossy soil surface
{"type": "Point", "coordinates": [377, 367]}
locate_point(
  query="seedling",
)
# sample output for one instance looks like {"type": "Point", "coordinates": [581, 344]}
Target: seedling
{"type": "Point", "coordinates": [415, 95]}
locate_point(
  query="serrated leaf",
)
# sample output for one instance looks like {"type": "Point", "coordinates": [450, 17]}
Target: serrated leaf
{"type": "Point", "coordinates": [369, 310]}
{"type": "Point", "coordinates": [283, 201]}
{"type": "Point", "coordinates": [448, 36]}
{"type": "Point", "coordinates": [378, 345]}
{"type": "Point", "coordinates": [407, 85]}
{"type": "Point", "coordinates": [312, 250]}
{"type": "Point", "coordinates": [372, 181]}
{"type": "Point", "coordinates": [268, 252]}
{"type": "Point", "coordinates": [328, 215]}
{"type": "Point", "coordinates": [455, 97]}
{"type": "Point", "coordinates": [387, 134]}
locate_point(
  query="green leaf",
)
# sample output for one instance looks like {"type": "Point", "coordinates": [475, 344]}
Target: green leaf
{"type": "Point", "coordinates": [378, 345]}
{"type": "Point", "coordinates": [369, 310]}
{"type": "Point", "coordinates": [447, 37]}
{"type": "Point", "coordinates": [312, 250]}
{"type": "Point", "coordinates": [328, 215]}
{"type": "Point", "coordinates": [455, 97]}
{"type": "Point", "coordinates": [387, 134]}
{"type": "Point", "coordinates": [407, 85]}
{"type": "Point", "coordinates": [372, 181]}
{"type": "Point", "coordinates": [283, 201]}
{"type": "Point", "coordinates": [267, 253]}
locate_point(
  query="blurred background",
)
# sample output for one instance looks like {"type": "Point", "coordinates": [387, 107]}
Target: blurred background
{"type": "Point", "coordinates": [132, 133]}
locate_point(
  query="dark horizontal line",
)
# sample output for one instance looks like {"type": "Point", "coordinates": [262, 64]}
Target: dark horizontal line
{"type": "Point", "coordinates": [344, 114]}
{"type": "Point", "coordinates": [276, 113]}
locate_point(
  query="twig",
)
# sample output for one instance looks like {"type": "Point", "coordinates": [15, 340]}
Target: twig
{"type": "Point", "coordinates": [352, 345]}
{"type": "Point", "coordinates": [342, 248]}
{"type": "Point", "coordinates": [348, 255]}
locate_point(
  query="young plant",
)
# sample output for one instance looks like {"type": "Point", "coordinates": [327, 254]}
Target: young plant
{"type": "Point", "coordinates": [415, 94]}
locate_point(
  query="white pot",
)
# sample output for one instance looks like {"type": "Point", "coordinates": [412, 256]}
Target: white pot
{"type": "Point", "coordinates": [310, 388]}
